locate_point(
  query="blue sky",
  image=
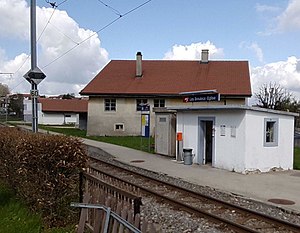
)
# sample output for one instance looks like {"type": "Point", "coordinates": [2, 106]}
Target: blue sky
{"type": "Point", "coordinates": [264, 32]}
{"type": "Point", "coordinates": [160, 24]}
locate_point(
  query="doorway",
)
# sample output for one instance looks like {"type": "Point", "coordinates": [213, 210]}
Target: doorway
{"type": "Point", "coordinates": [206, 140]}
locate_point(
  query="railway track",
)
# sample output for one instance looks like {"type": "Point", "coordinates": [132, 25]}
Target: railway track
{"type": "Point", "coordinates": [232, 216]}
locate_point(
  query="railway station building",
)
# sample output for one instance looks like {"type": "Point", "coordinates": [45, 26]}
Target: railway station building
{"type": "Point", "coordinates": [201, 105]}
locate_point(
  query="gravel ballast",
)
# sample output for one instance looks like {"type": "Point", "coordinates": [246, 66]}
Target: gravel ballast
{"type": "Point", "coordinates": [171, 220]}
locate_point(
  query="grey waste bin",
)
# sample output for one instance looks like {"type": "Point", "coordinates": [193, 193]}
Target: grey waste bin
{"type": "Point", "coordinates": [187, 156]}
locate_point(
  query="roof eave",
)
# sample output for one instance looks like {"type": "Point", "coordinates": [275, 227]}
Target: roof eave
{"type": "Point", "coordinates": [64, 111]}
{"type": "Point", "coordinates": [230, 107]}
{"type": "Point", "coordinates": [171, 95]}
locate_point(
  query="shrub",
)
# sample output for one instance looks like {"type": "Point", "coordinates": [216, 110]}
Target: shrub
{"type": "Point", "coordinates": [44, 171]}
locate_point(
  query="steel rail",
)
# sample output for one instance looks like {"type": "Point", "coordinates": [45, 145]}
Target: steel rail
{"type": "Point", "coordinates": [269, 219]}
{"type": "Point", "coordinates": [187, 208]}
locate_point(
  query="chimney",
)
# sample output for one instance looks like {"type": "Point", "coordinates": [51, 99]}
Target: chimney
{"type": "Point", "coordinates": [139, 71]}
{"type": "Point", "coordinates": [204, 56]}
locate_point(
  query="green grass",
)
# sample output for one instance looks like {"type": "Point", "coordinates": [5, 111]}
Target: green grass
{"type": "Point", "coordinates": [9, 118]}
{"type": "Point", "coordinates": [134, 142]}
{"type": "Point", "coordinates": [16, 218]}
{"type": "Point", "coordinates": [297, 158]}
{"type": "Point", "coordinates": [65, 130]}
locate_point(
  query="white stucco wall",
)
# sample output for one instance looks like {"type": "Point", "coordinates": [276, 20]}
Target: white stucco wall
{"type": "Point", "coordinates": [49, 118]}
{"type": "Point", "coordinates": [188, 125]}
{"type": "Point", "coordinates": [58, 118]}
{"type": "Point", "coordinates": [228, 151]}
{"type": "Point", "coordinates": [242, 148]}
{"type": "Point", "coordinates": [264, 158]}
{"type": "Point", "coordinates": [101, 122]}
{"type": "Point", "coordinates": [27, 110]}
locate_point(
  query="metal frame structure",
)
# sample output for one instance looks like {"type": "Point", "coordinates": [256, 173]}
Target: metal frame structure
{"type": "Point", "coordinates": [108, 216]}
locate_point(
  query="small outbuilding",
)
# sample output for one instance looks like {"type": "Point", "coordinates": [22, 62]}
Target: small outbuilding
{"type": "Point", "coordinates": [52, 111]}
{"type": "Point", "coordinates": [237, 138]}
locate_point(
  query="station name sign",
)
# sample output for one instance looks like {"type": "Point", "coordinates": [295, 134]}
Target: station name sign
{"type": "Point", "coordinates": [202, 98]}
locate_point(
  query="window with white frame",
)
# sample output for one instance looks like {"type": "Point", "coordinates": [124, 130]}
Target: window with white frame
{"type": "Point", "coordinates": [271, 132]}
{"type": "Point", "coordinates": [110, 104]}
{"type": "Point", "coordinates": [159, 103]}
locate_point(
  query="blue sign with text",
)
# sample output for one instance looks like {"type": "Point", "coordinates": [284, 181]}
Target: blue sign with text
{"type": "Point", "coordinates": [202, 98]}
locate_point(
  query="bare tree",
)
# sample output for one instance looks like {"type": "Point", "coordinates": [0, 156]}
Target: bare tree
{"type": "Point", "coordinates": [274, 96]}
{"type": "Point", "coordinates": [4, 90]}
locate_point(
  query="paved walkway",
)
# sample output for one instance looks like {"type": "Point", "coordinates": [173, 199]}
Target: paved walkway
{"type": "Point", "coordinates": [260, 187]}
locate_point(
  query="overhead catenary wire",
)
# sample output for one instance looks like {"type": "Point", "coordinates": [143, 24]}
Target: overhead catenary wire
{"type": "Point", "coordinates": [18, 71]}
{"type": "Point", "coordinates": [46, 25]}
{"type": "Point", "coordinates": [56, 28]}
{"type": "Point", "coordinates": [61, 3]}
{"type": "Point", "coordinates": [61, 32]}
{"type": "Point", "coordinates": [77, 44]}
{"type": "Point", "coordinates": [111, 8]}
{"type": "Point", "coordinates": [48, 22]}
{"type": "Point", "coordinates": [101, 29]}
{"type": "Point", "coordinates": [38, 37]}
{"type": "Point", "coordinates": [54, 6]}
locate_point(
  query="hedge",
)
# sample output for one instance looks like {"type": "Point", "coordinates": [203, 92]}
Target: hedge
{"type": "Point", "coordinates": [44, 171]}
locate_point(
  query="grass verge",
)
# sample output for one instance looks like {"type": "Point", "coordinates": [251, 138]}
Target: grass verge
{"type": "Point", "coordinates": [134, 142]}
{"type": "Point", "coordinates": [16, 218]}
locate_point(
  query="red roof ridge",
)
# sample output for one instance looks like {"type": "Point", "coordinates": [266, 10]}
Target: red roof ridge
{"type": "Point", "coordinates": [170, 77]}
{"type": "Point", "coordinates": [64, 105]}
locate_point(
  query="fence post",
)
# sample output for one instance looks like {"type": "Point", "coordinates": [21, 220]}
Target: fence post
{"type": "Point", "coordinates": [137, 202]}
{"type": "Point", "coordinates": [81, 187]}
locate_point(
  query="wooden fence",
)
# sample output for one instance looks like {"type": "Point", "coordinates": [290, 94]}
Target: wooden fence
{"type": "Point", "coordinates": [122, 199]}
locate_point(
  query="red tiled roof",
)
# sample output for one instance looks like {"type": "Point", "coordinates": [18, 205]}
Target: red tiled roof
{"type": "Point", "coordinates": [166, 77]}
{"type": "Point", "coordinates": [63, 105]}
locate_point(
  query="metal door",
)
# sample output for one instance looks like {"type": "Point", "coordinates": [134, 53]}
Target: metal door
{"type": "Point", "coordinates": [162, 137]}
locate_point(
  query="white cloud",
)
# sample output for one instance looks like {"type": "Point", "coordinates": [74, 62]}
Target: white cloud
{"type": "Point", "coordinates": [286, 73]}
{"type": "Point", "coordinates": [258, 51]}
{"type": "Point", "coordinates": [2, 54]}
{"type": "Point", "coordinates": [69, 73]}
{"type": "Point", "coordinates": [254, 47]}
{"type": "Point", "coordinates": [280, 20]}
{"type": "Point", "coordinates": [18, 65]}
{"type": "Point", "coordinates": [14, 18]}
{"type": "Point", "coordinates": [193, 51]}
{"type": "Point", "coordinates": [266, 8]}
{"type": "Point", "coordinates": [290, 18]}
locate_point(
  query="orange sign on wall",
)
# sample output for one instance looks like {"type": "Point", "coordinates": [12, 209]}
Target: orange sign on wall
{"type": "Point", "coordinates": [179, 136]}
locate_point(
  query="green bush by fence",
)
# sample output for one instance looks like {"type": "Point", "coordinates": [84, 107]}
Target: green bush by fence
{"type": "Point", "coordinates": [44, 171]}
